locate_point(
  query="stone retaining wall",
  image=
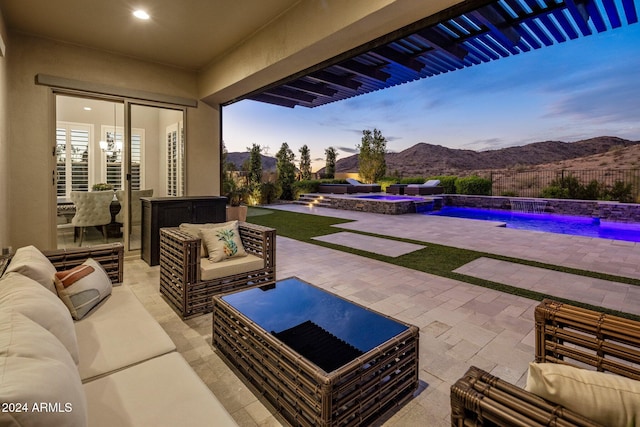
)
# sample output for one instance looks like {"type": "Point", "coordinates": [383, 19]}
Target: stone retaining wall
{"type": "Point", "coordinates": [606, 211]}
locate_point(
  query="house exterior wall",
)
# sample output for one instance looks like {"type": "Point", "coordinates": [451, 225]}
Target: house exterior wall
{"type": "Point", "coordinates": [4, 146]}
{"type": "Point", "coordinates": [31, 136]}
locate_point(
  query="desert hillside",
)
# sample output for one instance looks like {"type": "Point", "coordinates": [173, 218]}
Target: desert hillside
{"type": "Point", "coordinates": [423, 159]}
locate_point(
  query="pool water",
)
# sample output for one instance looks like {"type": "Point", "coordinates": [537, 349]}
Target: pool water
{"type": "Point", "coordinates": [551, 223]}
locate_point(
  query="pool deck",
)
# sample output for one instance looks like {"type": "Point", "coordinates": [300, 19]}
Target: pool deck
{"type": "Point", "coordinates": [460, 324]}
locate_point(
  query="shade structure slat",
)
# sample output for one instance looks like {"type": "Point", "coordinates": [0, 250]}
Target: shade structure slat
{"type": "Point", "coordinates": [612, 13]}
{"type": "Point", "coordinates": [596, 17]}
{"type": "Point", "coordinates": [630, 11]}
{"type": "Point", "coordinates": [566, 26]}
{"type": "Point", "coordinates": [579, 15]}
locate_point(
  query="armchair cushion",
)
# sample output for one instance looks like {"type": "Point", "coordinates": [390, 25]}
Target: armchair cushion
{"type": "Point", "coordinates": [83, 287]}
{"type": "Point", "coordinates": [608, 399]}
{"type": "Point", "coordinates": [229, 267]}
{"type": "Point", "coordinates": [223, 242]}
{"type": "Point", "coordinates": [194, 231]}
{"type": "Point", "coordinates": [30, 262]}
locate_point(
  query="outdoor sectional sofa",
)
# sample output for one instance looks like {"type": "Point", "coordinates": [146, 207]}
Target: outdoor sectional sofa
{"type": "Point", "coordinates": [574, 348]}
{"type": "Point", "coordinates": [188, 280]}
{"type": "Point", "coordinates": [115, 366]}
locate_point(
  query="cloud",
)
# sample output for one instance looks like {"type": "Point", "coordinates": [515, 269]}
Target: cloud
{"type": "Point", "coordinates": [348, 150]}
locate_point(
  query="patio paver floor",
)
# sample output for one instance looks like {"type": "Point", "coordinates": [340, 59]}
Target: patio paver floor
{"type": "Point", "coordinates": [391, 248]}
{"type": "Point", "coordinates": [460, 324]}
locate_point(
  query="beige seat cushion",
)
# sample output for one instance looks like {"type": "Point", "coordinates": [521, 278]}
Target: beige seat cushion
{"type": "Point", "coordinates": [37, 369]}
{"type": "Point", "coordinates": [230, 266]}
{"type": "Point", "coordinates": [608, 399]}
{"type": "Point", "coordinates": [30, 262]}
{"type": "Point", "coordinates": [118, 333]}
{"type": "Point", "coordinates": [164, 391]}
{"type": "Point", "coordinates": [31, 299]}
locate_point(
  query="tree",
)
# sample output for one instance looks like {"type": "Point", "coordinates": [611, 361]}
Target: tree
{"type": "Point", "coordinates": [286, 171]}
{"type": "Point", "coordinates": [254, 175]}
{"type": "Point", "coordinates": [371, 161]}
{"type": "Point", "coordinates": [330, 166]}
{"type": "Point", "coordinates": [305, 163]}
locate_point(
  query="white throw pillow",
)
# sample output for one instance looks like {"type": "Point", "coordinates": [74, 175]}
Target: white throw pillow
{"type": "Point", "coordinates": [83, 287]}
{"type": "Point", "coordinates": [608, 399]}
{"type": "Point", "coordinates": [28, 297]}
{"type": "Point", "coordinates": [223, 242]}
{"type": "Point", "coordinates": [38, 377]}
{"type": "Point", "coordinates": [30, 262]}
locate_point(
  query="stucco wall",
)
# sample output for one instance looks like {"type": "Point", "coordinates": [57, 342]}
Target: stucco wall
{"type": "Point", "coordinates": [4, 157]}
{"type": "Point", "coordinates": [32, 116]}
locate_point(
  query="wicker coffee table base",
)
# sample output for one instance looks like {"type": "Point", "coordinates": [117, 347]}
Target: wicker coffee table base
{"type": "Point", "coordinates": [355, 394]}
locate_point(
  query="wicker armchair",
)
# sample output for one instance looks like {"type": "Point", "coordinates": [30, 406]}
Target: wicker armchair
{"type": "Point", "coordinates": [180, 279]}
{"type": "Point", "coordinates": [564, 334]}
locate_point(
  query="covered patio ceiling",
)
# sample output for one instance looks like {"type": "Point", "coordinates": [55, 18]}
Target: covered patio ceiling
{"type": "Point", "coordinates": [468, 34]}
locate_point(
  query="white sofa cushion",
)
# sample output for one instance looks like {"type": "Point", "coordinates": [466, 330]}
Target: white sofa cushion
{"type": "Point", "coordinates": [30, 262]}
{"type": "Point", "coordinates": [83, 287]}
{"type": "Point", "coordinates": [37, 369]}
{"type": "Point", "coordinates": [164, 391]}
{"type": "Point", "coordinates": [223, 242]}
{"type": "Point", "coordinates": [118, 333]}
{"type": "Point", "coordinates": [230, 266]}
{"type": "Point", "coordinates": [28, 297]}
{"type": "Point", "coordinates": [608, 399]}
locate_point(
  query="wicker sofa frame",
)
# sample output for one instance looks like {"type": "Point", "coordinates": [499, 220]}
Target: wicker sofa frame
{"type": "Point", "coordinates": [109, 255]}
{"type": "Point", "coordinates": [563, 334]}
{"type": "Point", "coordinates": [180, 281]}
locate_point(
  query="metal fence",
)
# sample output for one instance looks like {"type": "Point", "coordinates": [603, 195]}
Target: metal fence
{"type": "Point", "coordinates": [530, 183]}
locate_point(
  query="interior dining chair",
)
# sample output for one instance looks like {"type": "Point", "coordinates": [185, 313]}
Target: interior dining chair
{"type": "Point", "coordinates": [136, 205]}
{"type": "Point", "coordinates": [92, 209]}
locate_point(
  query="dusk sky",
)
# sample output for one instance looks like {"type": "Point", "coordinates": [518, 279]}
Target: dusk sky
{"type": "Point", "coordinates": [571, 91]}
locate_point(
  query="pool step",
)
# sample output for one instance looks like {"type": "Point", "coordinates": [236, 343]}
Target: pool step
{"type": "Point", "coordinates": [317, 200]}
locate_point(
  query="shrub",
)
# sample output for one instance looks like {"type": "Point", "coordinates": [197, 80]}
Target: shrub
{"type": "Point", "coordinates": [305, 186]}
{"type": "Point", "coordinates": [448, 183]}
{"type": "Point", "coordinates": [473, 185]}
{"type": "Point", "coordinates": [386, 181]}
{"type": "Point", "coordinates": [270, 192]}
{"type": "Point", "coordinates": [621, 192]}
{"type": "Point", "coordinates": [554, 192]}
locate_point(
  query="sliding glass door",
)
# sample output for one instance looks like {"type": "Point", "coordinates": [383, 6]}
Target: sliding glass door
{"type": "Point", "coordinates": [132, 149]}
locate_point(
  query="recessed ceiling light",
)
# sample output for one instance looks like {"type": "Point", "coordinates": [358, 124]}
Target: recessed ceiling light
{"type": "Point", "coordinates": [87, 108]}
{"type": "Point", "coordinates": [141, 14]}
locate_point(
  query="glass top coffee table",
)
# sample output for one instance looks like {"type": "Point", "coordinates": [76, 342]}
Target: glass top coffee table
{"type": "Point", "coordinates": [319, 359]}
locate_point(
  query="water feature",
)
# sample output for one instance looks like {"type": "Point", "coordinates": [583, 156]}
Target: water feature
{"type": "Point", "coordinates": [535, 206]}
{"type": "Point", "coordinates": [551, 223]}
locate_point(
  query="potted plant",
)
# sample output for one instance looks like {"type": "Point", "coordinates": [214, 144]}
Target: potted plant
{"type": "Point", "coordinates": [102, 186]}
{"type": "Point", "coordinates": [235, 196]}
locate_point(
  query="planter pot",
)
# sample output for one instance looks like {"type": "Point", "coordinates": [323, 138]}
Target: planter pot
{"type": "Point", "coordinates": [237, 213]}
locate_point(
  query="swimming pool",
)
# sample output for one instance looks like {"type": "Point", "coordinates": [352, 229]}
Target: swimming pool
{"type": "Point", "coordinates": [562, 224]}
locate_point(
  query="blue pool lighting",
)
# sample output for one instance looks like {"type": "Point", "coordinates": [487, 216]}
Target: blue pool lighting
{"type": "Point", "coordinates": [551, 223]}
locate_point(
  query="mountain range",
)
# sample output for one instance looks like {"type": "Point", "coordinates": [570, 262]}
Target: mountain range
{"type": "Point", "coordinates": [428, 159]}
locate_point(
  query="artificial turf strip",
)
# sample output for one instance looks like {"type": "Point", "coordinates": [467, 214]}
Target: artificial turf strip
{"type": "Point", "coordinates": [435, 259]}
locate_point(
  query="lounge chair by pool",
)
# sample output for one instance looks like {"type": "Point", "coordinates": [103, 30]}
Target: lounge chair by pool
{"type": "Point", "coordinates": [352, 186]}
{"type": "Point", "coordinates": [432, 186]}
